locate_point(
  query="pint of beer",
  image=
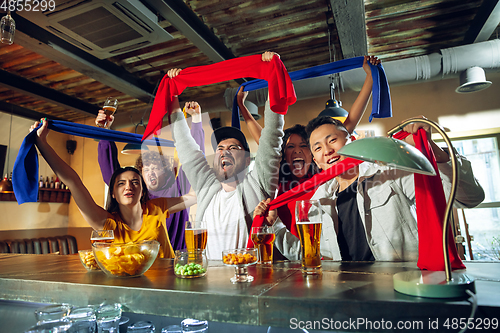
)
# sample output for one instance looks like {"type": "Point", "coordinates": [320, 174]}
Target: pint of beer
{"type": "Point", "coordinates": [263, 239]}
{"type": "Point", "coordinates": [110, 106]}
{"type": "Point", "coordinates": [309, 222]}
{"type": "Point", "coordinates": [196, 235]}
{"type": "Point", "coordinates": [102, 236]}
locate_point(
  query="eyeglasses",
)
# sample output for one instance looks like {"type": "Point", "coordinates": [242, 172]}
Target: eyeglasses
{"type": "Point", "coordinates": [231, 148]}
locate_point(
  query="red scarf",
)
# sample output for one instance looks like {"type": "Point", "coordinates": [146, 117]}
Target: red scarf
{"type": "Point", "coordinates": [309, 186]}
{"type": "Point", "coordinates": [429, 197]}
{"type": "Point", "coordinates": [281, 90]}
{"type": "Point", "coordinates": [431, 205]}
{"type": "Point", "coordinates": [287, 212]}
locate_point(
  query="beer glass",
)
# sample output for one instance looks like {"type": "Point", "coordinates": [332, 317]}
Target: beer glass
{"type": "Point", "coordinates": [110, 106]}
{"type": "Point", "coordinates": [196, 235]}
{"type": "Point", "coordinates": [309, 222]}
{"type": "Point", "coordinates": [263, 238]}
{"type": "Point", "coordinates": [103, 236]}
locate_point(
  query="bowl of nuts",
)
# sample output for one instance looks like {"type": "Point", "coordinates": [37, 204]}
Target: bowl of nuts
{"type": "Point", "coordinates": [240, 259]}
{"type": "Point", "coordinates": [127, 259]}
{"type": "Point", "coordinates": [88, 260]}
{"type": "Point", "coordinates": [190, 264]}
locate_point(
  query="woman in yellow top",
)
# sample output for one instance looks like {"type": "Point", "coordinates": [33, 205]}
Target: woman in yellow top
{"type": "Point", "coordinates": [130, 214]}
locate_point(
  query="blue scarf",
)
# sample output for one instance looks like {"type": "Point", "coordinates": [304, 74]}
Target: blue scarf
{"type": "Point", "coordinates": [25, 172]}
{"type": "Point", "coordinates": [381, 103]}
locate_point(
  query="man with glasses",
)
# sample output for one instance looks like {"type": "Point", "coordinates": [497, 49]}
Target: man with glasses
{"type": "Point", "coordinates": [227, 192]}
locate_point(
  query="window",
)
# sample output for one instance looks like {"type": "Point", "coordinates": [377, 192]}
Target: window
{"type": "Point", "coordinates": [484, 220]}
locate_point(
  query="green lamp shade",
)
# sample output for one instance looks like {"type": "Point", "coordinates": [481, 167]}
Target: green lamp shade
{"type": "Point", "coordinates": [133, 148]}
{"type": "Point", "coordinates": [389, 151]}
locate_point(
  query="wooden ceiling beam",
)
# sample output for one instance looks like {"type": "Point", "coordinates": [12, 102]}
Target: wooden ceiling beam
{"type": "Point", "coordinates": [484, 23]}
{"type": "Point", "coordinates": [351, 27]}
{"type": "Point", "coordinates": [38, 91]}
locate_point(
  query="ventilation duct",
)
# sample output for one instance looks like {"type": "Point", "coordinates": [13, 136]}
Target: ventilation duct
{"type": "Point", "coordinates": [103, 28]}
{"type": "Point", "coordinates": [472, 79]}
{"type": "Point", "coordinates": [446, 64]}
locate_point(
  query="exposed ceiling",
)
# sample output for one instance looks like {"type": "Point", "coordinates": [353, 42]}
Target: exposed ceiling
{"type": "Point", "coordinates": [63, 66]}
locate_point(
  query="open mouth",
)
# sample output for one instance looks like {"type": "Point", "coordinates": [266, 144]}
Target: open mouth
{"type": "Point", "coordinates": [333, 160]}
{"type": "Point", "coordinates": [226, 163]}
{"type": "Point", "coordinates": [299, 164]}
{"type": "Point", "coordinates": [153, 180]}
{"type": "Point", "coordinates": [129, 195]}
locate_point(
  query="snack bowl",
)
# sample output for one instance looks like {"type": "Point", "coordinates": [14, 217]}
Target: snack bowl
{"type": "Point", "coordinates": [88, 260]}
{"type": "Point", "coordinates": [190, 264]}
{"type": "Point", "coordinates": [240, 259]}
{"type": "Point", "coordinates": [126, 259]}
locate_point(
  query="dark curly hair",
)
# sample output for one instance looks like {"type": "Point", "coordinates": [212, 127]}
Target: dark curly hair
{"type": "Point", "coordinates": [285, 173]}
{"type": "Point", "coordinates": [112, 204]}
{"type": "Point", "coordinates": [152, 157]}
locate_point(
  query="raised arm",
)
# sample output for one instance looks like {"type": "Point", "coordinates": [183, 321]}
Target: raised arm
{"type": "Point", "coordinates": [92, 213]}
{"type": "Point", "coordinates": [359, 106]}
{"type": "Point", "coordinates": [253, 126]}
{"type": "Point", "coordinates": [107, 153]}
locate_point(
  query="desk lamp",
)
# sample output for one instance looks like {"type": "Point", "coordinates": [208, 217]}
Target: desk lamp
{"type": "Point", "coordinates": [399, 154]}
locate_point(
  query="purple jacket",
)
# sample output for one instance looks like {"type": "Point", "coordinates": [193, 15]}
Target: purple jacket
{"type": "Point", "coordinates": [108, 161]}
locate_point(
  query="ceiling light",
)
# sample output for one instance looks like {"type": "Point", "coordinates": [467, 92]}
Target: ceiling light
{"type": "Point", "coordinates": [8, 29]}
{"type": "Point", "coordinates": [472, 79]}
{"type": "Point", "coordinates": [333, 107]}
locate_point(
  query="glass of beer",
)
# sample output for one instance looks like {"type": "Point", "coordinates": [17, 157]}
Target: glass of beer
{"type": "Point", "coordinates": [110, 106]}
{"type": "Point", "coordinates": [102, 236]}
{"type": "Point", "coordinates": [263, 238]}
{"type": "Point", "coordinates": [309, 222]}
{"type": "Point", "coordinates": [196, 235]}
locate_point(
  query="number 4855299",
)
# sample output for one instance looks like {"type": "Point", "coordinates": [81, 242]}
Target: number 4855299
{"type": "Point", "coordinates": [28, 5]}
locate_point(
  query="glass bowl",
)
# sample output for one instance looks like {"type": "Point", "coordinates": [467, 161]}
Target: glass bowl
{"type": "Point", "coordinates": [190, 264]}
{"type": "Point", "coordinates": [88, 260]}
{"type": "Point", "coordinates": [126, 260]}
{"type": "Point", "coordinates": [240, 259]}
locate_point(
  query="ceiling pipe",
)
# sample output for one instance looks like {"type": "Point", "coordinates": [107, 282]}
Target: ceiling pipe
{"type": "Point", "coordinates": [446, 64]}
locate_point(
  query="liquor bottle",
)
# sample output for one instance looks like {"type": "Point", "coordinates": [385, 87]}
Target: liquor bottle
{"type": "Point", "coordinates": [57, 184]}
{"type": "Point", "coordinates": [47, 182]}
{"type": "Point", "coordinates": [10, 177]}
{"type": "Point", "coordinates": [52, 184]}
{"type": "Point", "coordinates": [41, 184]}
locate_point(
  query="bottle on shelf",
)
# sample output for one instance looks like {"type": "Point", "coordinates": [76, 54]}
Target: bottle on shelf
{"type": "Point", "coordinates": [47, 182]}
{"type": "Point", "coordinates": [41, 184]}
{"type": "Point", "coordinates": [10, 177]}
{"type": "Point", "coordinates": [52, 184]}
{"type": "Point", "coordinates": [57, 183]}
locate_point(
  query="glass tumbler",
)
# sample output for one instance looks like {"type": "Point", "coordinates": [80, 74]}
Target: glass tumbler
{"type": "Point", "coordinates": [52, 313]}
{"type": "Point", "coordinates": [108, 318]}
{"type": "Point", "coordinates": [309, 223]}
{"type": "Point", "coordinates": [83, 319]}
{"type": "Point", "coordinates": [194, 325]}
{"type": "Point", "coordinates": [141, 327]}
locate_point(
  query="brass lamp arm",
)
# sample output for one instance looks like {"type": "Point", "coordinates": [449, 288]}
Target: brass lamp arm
{"type": "Point", "coordinates": [451, 199]}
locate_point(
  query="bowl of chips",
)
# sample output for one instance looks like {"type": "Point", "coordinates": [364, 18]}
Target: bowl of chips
{"type": "Point", "coordinates": [126, 260]}
{"type": "Point", "coordinates": [88, 260]}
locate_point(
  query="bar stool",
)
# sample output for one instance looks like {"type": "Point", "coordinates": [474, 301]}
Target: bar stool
{"type": "Point", "coordinates": [14, 246]}
{"type": "Point", "coordinates": [63, 245]}
{"type": "Point", "coordinates": [4, 247]}
{"type": "Point", "coordinates": [53, 244]}
{"type": "Point", "coordinates": [29, 246]}
{"type": "Point", "coordinates": [44, 243]}
{"type": "Point", "coordinates": [72, 244]}
{"type": "Point", "coordinates": [37, 246]}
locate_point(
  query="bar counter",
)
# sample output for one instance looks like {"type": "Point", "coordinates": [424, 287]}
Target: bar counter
{"type": "Point", "coordinates": [279, 296]}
